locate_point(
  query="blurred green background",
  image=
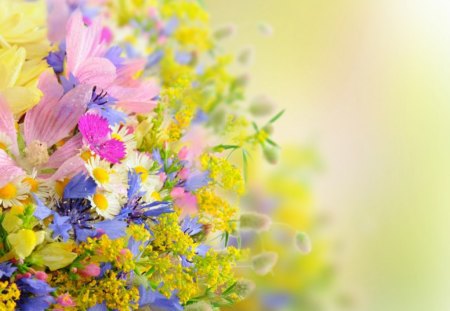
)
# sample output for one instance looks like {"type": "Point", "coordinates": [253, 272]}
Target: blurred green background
{"type": "Point", "coordinates": [367, 83]}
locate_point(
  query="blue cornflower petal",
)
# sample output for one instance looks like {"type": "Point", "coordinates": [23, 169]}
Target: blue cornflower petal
{"type": "Point", "coordinates": [6, 269]}
{"type": "Point", "coordinates": [39, 303]}
{"type": "Point", "coordinates": [80, 186]}
{"type": "Point", "coordinates": [114, 229]}
{"type": "Point", "coordinates": [196, 181]}
{"type": "Point", "coordinates": [154, 299]}
{"type": "Point", "coordinates": [191, 226]}
{"type": "Point", "coordinates": [98, 307]}
{"type": "Point", "coordinates": [34, 286]}
{"type": "Point", "coordinates": [134, 184]}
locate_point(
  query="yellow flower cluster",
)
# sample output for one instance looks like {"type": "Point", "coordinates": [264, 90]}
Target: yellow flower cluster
{"type": "Point", "coordinates": [215, 270]}
{"type": "Point", "coordinates": [110, 289]}
{"type": "Point", "coordinates": [23, 46]}
{"type": "Point", "coordinates": [223, 173]}
{"type": "Point", "coordinates": [104, 249]}
{"type": "Point", "coordinates": [216, 211]}
{"type": "Point", "coordinates": [9, 294]}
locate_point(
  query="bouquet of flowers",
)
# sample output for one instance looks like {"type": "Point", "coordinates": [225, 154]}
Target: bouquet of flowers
{"type": "Point", "coordinates": [117, 189]}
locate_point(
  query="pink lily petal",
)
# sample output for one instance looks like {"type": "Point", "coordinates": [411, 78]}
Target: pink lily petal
{"type": "Point", "coordinates": [68, 150]}
{"type": "Point", "coordinates": [57, 17]}
{"type": "Point", "coordinates": [126, 73]}
{"type": "Point", "coordinates": [8, 125]}
{"type": "Point", "coordinates": [82, 42]}
{"type": "Point", "coordinates": [8, 169]}
{"type": "Point", "coordinates": [69, 168]}
{"type": "Point", "coordinates": [50, 121]}
{"type": "Point", "coordinates": [97, 71]}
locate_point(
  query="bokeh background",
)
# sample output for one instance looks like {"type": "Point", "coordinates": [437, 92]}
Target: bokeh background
{"type": "Point", "coordinates": [366, 84]}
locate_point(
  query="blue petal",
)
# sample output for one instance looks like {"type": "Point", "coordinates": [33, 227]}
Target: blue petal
{"type": "Point", "coordinates": [113, 228]}
{"type": "Point", "coordinates": [81, 186]}
{"type": "Point", "coordinates": [197, 181]}
{"type": "Point", "coordinates": [41, 212]}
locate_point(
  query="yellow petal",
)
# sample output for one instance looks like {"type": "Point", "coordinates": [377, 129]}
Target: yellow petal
{"type": "Point", "coordinates": [23, 242]}
{"type": "Point", "coordinates": [55, 256]}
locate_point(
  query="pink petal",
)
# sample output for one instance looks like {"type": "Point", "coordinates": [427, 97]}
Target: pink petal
{"type": "Point", "coordinates": [112, 150]}
{"type": "Point", "coordinates": [8, 125]}
{"type": "Point", "coordinates": [82, 42]}
{"type": "Point", "coordinates": [69, 168]}
{"type": "Point", "coordinates": [51, 121]}
{"type": "Point", "coordinates": [57, 17]}
{"type": "Point", "coordinates": [126, 73]}
{"type": "Point", "coordinates": [8, 169]}
{"type": "Point", "coordinates": [94, 128]}
{"type": "Point", "coordinates": [97, 71]}
{"type": "Point", "coordinates": [138, 99]}
{"type": "Point", "coordinates": [68, 150]}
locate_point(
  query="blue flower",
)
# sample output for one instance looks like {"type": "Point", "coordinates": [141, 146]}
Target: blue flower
{"type": "Point", "coordinates": [98, 307]}
{"type": "Point", "coordinates": [114, 55]}
{"type": "Point", "coordinates": [41, 212]}
{"type": "Point", "coordinates": [34, 286]}
{"type": "Point", "coordinates": [60, 226]}
{"type": "Point", "coordinates": [154, 299]}
{"type": "Point", "coordinates": [80, 186]}
{"type": "Point", "coordinates": [191, 226]}
{"type": "Point", "coordinates": [196, 181]}
{"type": "Point", "coordinates": [154, 58]}
{"type": "Point", "coordinates": [183, 58]}
{"type": "Point", "coordinates": [80, 217]}
{"type": "Point", "coordinates": [6, 269]}
{"type": "Point", "coordinates": [114, 229]}
{"type": "Point", "coordinates": [56, 61]}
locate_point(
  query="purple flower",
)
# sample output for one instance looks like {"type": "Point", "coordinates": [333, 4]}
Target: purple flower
{"type": "Point", "coordinates": [34, 286]}
{"type": "Point", "coordinates": [191, 226]}
{"type": "Point", "coordinates": [96, 132]}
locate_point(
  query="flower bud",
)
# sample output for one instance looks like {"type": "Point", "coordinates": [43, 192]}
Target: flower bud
{"type": "Point", "coordinates": [263, 263]}
{"type": "Point", "coordinates": [199, 306]}
{"type": "Point", "coordinates": [90, 270]}
{"type": "Point", "coordinates": [224, 32]}
{"type": "Point", "coordinates": [261, 106]}
{"type": "Point", "coordinates": [302, 243]}
{"type": "Point", "coordinates": [255, 222]}
{"type": "Point", "coordinates": [270, 154]}
{"type": "Point", "coordinates": [245, 56]}
{"type": "Point", "coordinates": [244, 288]}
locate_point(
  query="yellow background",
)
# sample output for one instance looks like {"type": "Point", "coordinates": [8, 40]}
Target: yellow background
{"type": "Point", "coordinates": [368, 83]}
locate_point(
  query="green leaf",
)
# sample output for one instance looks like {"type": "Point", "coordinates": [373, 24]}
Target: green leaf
{"type": "Point", "coordinates": [271, 142]}
{"type": "Point", "coordinates": [277, 116]}
{"type": "Point", "coordinates": [245, 163]}
{"type": "Point", "coordinates": [220, 148]}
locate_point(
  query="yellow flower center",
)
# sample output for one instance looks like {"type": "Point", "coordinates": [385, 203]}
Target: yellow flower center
{"type": "Point", "coordinates": [60, 186]}
{"type": "Point", "coordinates": [101, 175]}
{"type": "Point", "coordinates": [3, 146]}
{"type": "Point", "coordinates": [33, 183]}
{"type": "Point", "coordinates": [101, 201]}
{"type": "Point", "coordinates": [8, 192]}
{"type": "Point", "coordinates": [142, 171]}
{"type": "Point", "coordinates": [116, 136]}
{"type": "Point", "coordinates": [86, 155]}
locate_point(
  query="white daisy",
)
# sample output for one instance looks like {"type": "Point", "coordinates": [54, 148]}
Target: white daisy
{"type": "Point", "coordinates": [122, 133]}
{"type": "Point", "coordinates": [106, 176]}
{"type": "Point", "coordinates": [106, 204]}
{"type": "Point", "coordinates": [13, 192]}
{"type": "Point", "coordinates": [41, 188]}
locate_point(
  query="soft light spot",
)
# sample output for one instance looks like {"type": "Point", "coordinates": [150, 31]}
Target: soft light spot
{"type": "Point", "coordinates": [101, 201]}
{"type": "Point", "coordinates": [101, 175]}
{"type": "Point", "coordinates": [8, 192]}
{"type": "Point", "coordinates": [142, 172]}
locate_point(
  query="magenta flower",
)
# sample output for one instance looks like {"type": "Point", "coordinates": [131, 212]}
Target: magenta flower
{"type": "Point", "coordinates": [96, 134]}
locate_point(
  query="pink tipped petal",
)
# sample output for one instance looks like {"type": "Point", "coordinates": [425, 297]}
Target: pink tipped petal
{"type": "Point", "coordinates": [69, 168]}
{"type": "Point", "coordinates": [126, 73]}
{"type": "Point", "coordinates": [112, 151]}
{"type": "Point", "coordinates": [68, 150]}
{"type": "Point", "coordinates": [8, 125]}
{"type": "Point", "coordinates": [8, 169]}
{"type": "Point", "coordinates": [97, 71]}
{"type": "Point", "coordinates": [50, 87]}
{"type": "Point", "coordinates": [139, 99]}
{"type": "Point", "coordinates": [51, 121]}
{"type": "Point", "coordinates": [82, 42]}
{"type": "Point", "coordinates": [94, 128]}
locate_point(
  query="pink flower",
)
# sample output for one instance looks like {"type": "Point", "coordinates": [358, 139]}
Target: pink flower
{"type": "Point", "coordinates": [90, 270]}
{"type": "Point", "coordinates": [65, 300]}
{"type": "Point", "coordinates": [96, 134]}
{"type": "Point", "coordinates": [41, 275]}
